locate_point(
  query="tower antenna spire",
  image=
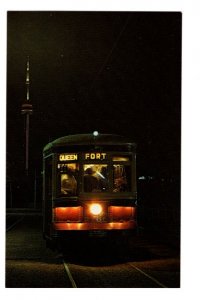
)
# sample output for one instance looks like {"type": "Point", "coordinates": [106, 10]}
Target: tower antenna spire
{"type": "Point", "coordinates": [27, 79]}
{"type": "Point", "coordinates": [27, 110]}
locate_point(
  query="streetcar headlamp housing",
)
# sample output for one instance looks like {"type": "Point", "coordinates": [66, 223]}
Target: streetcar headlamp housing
{"type": "Point", "coordinates": [95, 209]}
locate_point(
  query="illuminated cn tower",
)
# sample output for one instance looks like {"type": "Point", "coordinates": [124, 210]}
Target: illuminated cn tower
{"type": "Point", "coordinates": [27, 110]}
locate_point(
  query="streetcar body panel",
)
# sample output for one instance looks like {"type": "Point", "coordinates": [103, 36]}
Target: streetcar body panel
{"type": "Point", "coordinates": [89, 185]}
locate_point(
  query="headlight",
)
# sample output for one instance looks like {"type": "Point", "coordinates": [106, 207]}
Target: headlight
{"type": "Point", "coordinates": [95, 209]}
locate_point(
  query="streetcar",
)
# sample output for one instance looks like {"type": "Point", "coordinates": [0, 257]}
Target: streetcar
{"type": "Point", "coordinates": [89, 187]}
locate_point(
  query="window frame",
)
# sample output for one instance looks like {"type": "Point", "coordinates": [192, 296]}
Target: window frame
{"type": "Point", "coordinates": [58, 175]}
{"type": "Point", "coordinates": [130, 163]}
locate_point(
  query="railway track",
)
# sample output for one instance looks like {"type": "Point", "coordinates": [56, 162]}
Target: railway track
{"type": "Point", "coordinates": [85, 265]}
{"type": "Point", "coordinates": [130, 267]}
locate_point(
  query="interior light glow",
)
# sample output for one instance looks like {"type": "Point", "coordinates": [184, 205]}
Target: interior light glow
{"type": "Point", "coordinates": [118, 213]}
{"type": "Point", "coordinates": [100, 175]}
{"type": "Point", "coordinates": [67, 214]}
{"type": "Point", "coordinates": [95, 209]}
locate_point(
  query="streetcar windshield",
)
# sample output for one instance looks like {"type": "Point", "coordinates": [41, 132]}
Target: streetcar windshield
{"type": "Point", "coordinates": [112, 175]}
{"type": "Point", "coordinates": [95, 177]}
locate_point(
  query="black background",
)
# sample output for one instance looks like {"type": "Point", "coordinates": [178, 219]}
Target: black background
{"type": "Point", "coordinates": [115, 72]}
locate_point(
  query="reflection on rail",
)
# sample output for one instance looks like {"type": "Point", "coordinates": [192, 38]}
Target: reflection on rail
{"type": "Point", "coordinates": [10, 224]}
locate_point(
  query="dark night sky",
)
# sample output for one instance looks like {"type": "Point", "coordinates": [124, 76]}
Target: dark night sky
{"type": "Point", "coordinates": [115, 72]}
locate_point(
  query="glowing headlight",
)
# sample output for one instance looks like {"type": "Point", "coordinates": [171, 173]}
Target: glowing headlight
{"type": "Point", "coordinates": [95, 209]}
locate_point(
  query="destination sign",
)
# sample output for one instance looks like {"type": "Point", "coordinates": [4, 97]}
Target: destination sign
{"type": "Point", "coordinates": [66, 157]}
{"type": "Point", "coordinates": [87, 156]}
{"type": "Point", "coordinates": [92, 156]}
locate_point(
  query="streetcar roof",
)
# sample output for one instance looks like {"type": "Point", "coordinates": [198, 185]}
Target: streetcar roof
{"type": "Point", "coordinates": [90, 139]}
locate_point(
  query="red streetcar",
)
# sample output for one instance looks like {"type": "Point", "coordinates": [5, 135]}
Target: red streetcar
{"type": "Point", "coordinates": [89, 186]}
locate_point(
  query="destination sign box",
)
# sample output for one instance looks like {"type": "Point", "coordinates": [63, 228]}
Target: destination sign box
{"type": "Point", "coordinates": [86, 156]}
{"type": "Point", "coordinates": [66, 157]}
{"type": "Point", "coordinates": [97, 156]}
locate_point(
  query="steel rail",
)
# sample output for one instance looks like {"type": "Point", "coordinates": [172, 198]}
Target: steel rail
{"type": "Point", "coordinates": [73, 283]}
{"type": "Point", "coordinates": [13, 225]}
{"type": "Point", "coordinates": [147, 275]}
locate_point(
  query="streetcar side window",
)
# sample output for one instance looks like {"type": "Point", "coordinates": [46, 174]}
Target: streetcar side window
{"type": "Point", "coordinates": [67, 179]}
{"type": "Point", "coordinates": [95, 177]}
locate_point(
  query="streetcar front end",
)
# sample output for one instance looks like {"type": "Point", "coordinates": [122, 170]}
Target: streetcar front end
{"type": "Point", "coordinates": [90, 190]}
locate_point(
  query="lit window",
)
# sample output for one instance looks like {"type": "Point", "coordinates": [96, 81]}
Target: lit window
{"type": "Point", "coordinates": [67, 179]}
{"type": "Point", "coordinates": [121, 158]}
{"type": "Point", "coordinates": [95, 177]}
{"type": "Point", "coordinates": [121, 178]}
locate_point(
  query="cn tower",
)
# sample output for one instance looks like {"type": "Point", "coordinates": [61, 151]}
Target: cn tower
{"type": "Point", "coordinates": [27, 110]}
